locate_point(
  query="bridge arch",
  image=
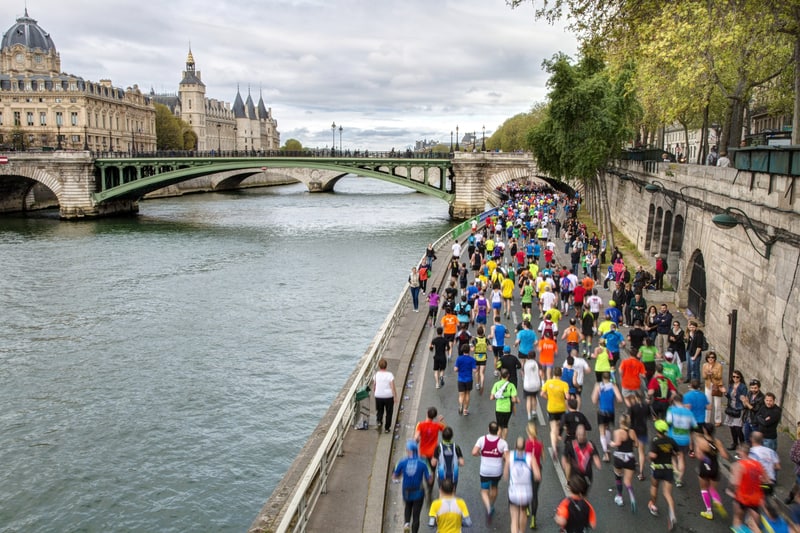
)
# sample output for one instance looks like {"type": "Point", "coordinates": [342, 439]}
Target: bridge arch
{"type": "Point", "coordinates": [20, 191]}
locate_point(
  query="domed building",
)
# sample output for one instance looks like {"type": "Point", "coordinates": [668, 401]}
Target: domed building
{"type": "Point", "coordinates": [43, 108]}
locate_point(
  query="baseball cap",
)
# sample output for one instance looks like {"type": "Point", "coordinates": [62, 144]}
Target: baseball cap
{"type": "Point", "coordinates": [669, 356]}
{"type": "Point", "coordinates": [661, 426]}
{"type": "Point", "coordinates": [507, 349]}
{"type": "Point", "coordinates": [412, 446]}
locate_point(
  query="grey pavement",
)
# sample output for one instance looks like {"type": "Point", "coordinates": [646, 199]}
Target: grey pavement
{"type": "Point", "coordinates": [361, 496]}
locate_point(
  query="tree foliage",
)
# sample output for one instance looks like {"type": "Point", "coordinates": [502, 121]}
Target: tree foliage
{"type": "Point", "coordinates": [691, 56]}
{"type": "Point", "coordinates": [292, 145]}
{"type": "Point", "coordinates": [590, 115]}
{"type": "Point", "coordinates": [512, 134]}
{"type": "Point", "coordinates": [173, 133]}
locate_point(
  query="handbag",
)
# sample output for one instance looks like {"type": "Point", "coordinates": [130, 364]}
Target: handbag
{"type": "Point", "coordinates": [716, 390]}
{"type": "Point", "coordinates": [733, 412]}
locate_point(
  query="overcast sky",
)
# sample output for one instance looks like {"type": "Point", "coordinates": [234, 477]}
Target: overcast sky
{"type": "Point", "coordinates": [389, 72]}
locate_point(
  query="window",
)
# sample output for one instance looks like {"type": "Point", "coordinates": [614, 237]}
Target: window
{"type": "Point", "coordinates": [42, 118]}
{"type": "Point", "coordinates": [17, 121]}
{"type": "Point", "coordinates": [1, 118]}
{"type": "Point", "coordinates": [59, 118]}
{"type": "Point", "coordinates": [75, 138]}
{"type": "Point", "coordinates": [73, 118]}
{"type": "Point", "coordinates": [29, 115]}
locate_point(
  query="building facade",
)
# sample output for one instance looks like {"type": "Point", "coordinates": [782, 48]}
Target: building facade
{"type": "Point", "coordinates": [245, 127]}
{"type": "Point", "coordinates": [43, 108]}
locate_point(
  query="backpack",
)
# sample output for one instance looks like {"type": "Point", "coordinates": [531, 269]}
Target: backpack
{"type": "Point", "coordinates": [481, 345]}
{"type": "Point", "coordinates": [662, 390]}
{"type": "Point", "coordinates": [565, 283]}
{"type": "Point", "coordinates": [704, 346]}
{"type": "Point", "coordinates": [548, 326]}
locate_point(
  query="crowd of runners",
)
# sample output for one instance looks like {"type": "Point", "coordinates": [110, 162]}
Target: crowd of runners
{"type": "Point", "coordinates": [629, 359]}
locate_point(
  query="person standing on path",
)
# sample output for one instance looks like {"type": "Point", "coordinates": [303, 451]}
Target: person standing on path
{"type": "Point", "coordinates": [385, 394]}
{"type": "Point", "coordinates": [413, 285]}
{"type": "Point", "coordinates": [715, 390]}
{"type": "Point", "coordinates": [413, 471]}
{"type": "Point", "coordinates": [493, 451]}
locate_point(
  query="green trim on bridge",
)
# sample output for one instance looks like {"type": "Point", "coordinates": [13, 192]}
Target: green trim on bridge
{"type": "Point", "coordinates": [133, 177]}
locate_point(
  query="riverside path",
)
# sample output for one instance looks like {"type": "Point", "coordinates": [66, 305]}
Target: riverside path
{"type": "Point", "coordinates": [361, 497]}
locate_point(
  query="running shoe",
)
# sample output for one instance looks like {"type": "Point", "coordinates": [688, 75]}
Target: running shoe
{"type": "Point", "coordinates": [708, 515]}
{"type": "Point", "coordinates": [671, 522]}
{"type": "Point", "coordinates": [618, 500]}
{"type": "Point", "coordinates": [407, 527]}
{"type": "Point", "coordinates": [460, 410]}
{"type": "Point", "coordinates": [679, 483]}
{"type": "Point", "coordinates": [533, 522]}
{"type": "Point", "coordinates": [633, 505]}
{"type": "Point", "coordinates": [720, 509]}
{"type": "Point", "coordinates": [652, 508]}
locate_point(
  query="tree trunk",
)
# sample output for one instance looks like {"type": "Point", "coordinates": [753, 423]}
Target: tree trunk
{"type": "Point", "coordinates": [701, 154]}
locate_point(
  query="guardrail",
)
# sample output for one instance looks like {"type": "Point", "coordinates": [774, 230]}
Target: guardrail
{"type": "Point", "coordinates": [293, 515]}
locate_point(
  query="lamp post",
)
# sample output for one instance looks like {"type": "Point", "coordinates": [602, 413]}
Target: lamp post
{"type": "Point", "coordinates": [219, 138]}
{"type": "Point", "coordinates": [110, 142]}
{"type": "Point", "coordinates": [483, 139]}
{"type": "Point", "coordinates": [451, 140]}
{"type": "Point", "coordinates": [340, 138]}
{"type": "Point", "coordinates": [58, 136]}
{"type": "Point", "coordinates": [235, 141]}
{"type": "Point", "coordinates": [456, 138]}
{"type": "Point", "coordinates": [726, 220]}
{"type": "Point", "coordinates": [85, 138]}
{"type": "Point", "coordinates": [333, 136]}
{"type": "Point", "coordinates": [474, 140]}
{"type": "Point", "coordinates": [133, 142]}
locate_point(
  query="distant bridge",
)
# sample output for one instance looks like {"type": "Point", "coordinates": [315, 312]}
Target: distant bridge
{"type": "Point", "coordinates": [87, 184]}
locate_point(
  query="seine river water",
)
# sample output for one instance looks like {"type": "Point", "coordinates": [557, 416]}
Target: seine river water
{"type": "Point", "coordinates": [160, 373]}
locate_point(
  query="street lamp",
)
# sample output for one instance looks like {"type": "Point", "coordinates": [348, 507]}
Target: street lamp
{"type": "Point", "coordinates": [58, 126]}
{"type": "Point", "coordinates": [110, 142]}
{"type": "Point", "coordinates": [333, 136]}
{"type": "Point", "coordinates": [474, 140]}
{"type": "Point", "coordinates": [235, 141]}
{"type": "Point", "coordinates": [726, 220]}
{"type": "Point", "coordinates": [456, 138]}
{"type": "Point", "coordinates": [451, 140]}
{"type": "Point", "coordinates": [219, 138]}
{"type": "Point", "coordinates": [483, 140]}
{"type": "Point", "coordinates": [85, 138]}
{"type": "Point", "coordinates": [340, 138]}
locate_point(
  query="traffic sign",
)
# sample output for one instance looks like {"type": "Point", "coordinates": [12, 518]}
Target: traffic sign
{"type": "Point", "coordinates": [3, 160]}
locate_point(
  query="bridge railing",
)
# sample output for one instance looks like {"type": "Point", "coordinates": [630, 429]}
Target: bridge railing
{"type": "Point", "coordinates": [291, 514]}
{"type": "Point", "coordinates": [326, 153]}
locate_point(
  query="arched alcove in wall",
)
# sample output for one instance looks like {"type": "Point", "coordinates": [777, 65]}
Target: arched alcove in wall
{"type": "Point", "coordinates": [666, 233]}
{"type": "Point", "coordinates": [650, 219]}
{"type": "Point", "coordinates": [697, 286]}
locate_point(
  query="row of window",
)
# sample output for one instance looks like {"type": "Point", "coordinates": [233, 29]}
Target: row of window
{"type": "Point", "coordinates": [62, 85]}
{"type": "Point", "coordinates": [29, 116]}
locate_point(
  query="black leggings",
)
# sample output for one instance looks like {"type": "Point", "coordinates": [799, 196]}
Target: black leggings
{"type": "Point", "coordinates": [386, 404]}
{"type": "Point", "coordinates": [413, 508]}
{"type": "Point", "coordinates": [737, 434]}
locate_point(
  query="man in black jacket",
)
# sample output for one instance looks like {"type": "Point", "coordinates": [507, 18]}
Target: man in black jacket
{"type": "Point", "coordinates": [752, 401]}
{"type": "Point", "coordinates": [768, 418]}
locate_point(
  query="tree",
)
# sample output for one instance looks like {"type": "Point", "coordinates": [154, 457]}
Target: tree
{"type": "Point", "coordinates": [292, 145]}
{"type": "Point", "coordinates": [733, 46]}
{"type": "Point", "coordinates": [173, 133]}
{"type": "Point", "coordinates": [588, 118]}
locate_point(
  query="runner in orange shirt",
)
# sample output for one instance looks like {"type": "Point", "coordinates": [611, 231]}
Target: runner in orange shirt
{"type": "Point", "coordinates": [547, 353]}
{"type": "Point", "coordinates": [631, 371]}
{"type": "Point", "coordinates": [427, 436]}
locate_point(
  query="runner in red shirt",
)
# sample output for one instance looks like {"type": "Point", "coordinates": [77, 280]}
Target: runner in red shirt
{"type": "Point", "coordinates": [427, 436]}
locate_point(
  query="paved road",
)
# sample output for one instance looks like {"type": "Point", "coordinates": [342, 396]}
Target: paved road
{"type": "Point", "coordinates": [422, 394]}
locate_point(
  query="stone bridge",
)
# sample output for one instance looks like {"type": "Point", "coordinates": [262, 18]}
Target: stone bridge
{"type": "Point", "coordinates": [83, 185]}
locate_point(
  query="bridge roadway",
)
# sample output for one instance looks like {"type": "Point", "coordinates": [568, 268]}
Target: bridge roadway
{"type": "Point", "coordinates": [351, 503]}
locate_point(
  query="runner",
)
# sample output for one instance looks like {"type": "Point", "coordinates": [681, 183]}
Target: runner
{"type": "Point", "coordinates": [426, 435]}
{"type": "Point", "coordinates": [625, 440]}
{"type": "Point", "coordinates": [604, 396]}
{"type": "Point", "coordinates": [505, 395]}
{"type": "Point", "coordinates": [708, 449]}
{"type": "Point", "coordinates": [744, 487]}
{"type": "Point", "coordinates": [413, 471]}
{"type": "Point", "coordinates": [464, 367]}
{"type": "Point", "coordinates": [579, 455]}
{"type": "Point", "coordinates": [535, 448]}
{"type": "Point", "coordinates": [448, 513]}
{"type": "Point", "coordinates": [681, 423]}
{"type": "Point", "coordinates": [440, 347]}
{"type": "Point", "coordinates": [481, 347]}
{"type": "Point", "coordinates": [520, 471]}
{"type": "Point", "coordinates": [493, 452]}
{"type": "Point", "coordinates": [575, 513]}
{"type": "Point", "coordinates": [555, 392]}
{"type": "Point", "coordinates": [448, 459]}
{"type": "Point", "coordinates": [662, 451]}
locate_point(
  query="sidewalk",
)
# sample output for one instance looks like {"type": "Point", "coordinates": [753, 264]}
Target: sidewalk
{"type": "Point", "coordinates": [356, 489]}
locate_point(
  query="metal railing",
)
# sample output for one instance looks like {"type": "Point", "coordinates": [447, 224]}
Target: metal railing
{"type": "Point", "coordinates": [326, 153]}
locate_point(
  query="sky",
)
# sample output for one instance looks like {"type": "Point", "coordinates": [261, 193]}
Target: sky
{"type": "Point", "coordinates": [390, 73]}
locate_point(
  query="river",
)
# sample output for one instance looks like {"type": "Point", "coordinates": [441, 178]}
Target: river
{"type": "Point", "coordinates": [161, 372]}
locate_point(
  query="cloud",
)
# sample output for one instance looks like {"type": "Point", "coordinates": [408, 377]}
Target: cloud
{"type": "Point", "coordinates": [390, 73]}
